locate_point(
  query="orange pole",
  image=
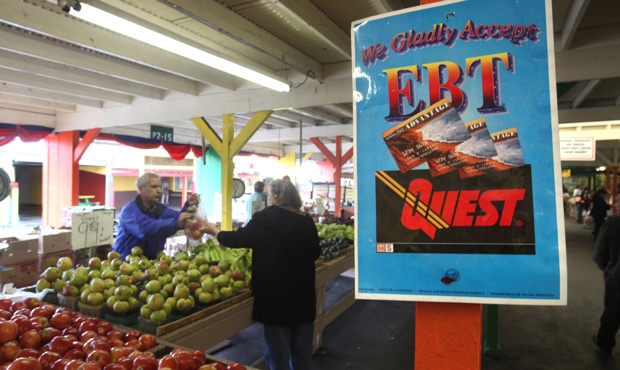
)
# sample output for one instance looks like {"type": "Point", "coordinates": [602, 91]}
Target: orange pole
{"type": "Point", "coordinates": [448, 335]}
{"type": "Point", "coordinates": [184, 192]}
{"type": "Point", "coordinates": [607, 178]}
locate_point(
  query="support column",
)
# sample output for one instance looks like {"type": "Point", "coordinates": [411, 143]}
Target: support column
{"type": "Point", "coordinates": [614, 190]}
{"type": "Point", "coordinates": [607, 178]}
{"type": "Point", "coordinates": [447, 335]}
{"type": "Point", "coordinates": [227, 147]}
{"type": "Point", "coordinates": [184, 192]}
{"type": "Point", "coordinates": [338, 161]}
{"type": "Point", "coordinates": [209, 179]}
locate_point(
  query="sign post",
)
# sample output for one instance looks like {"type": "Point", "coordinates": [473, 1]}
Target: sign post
{"type": "Point", "coordinates": [461, 192]}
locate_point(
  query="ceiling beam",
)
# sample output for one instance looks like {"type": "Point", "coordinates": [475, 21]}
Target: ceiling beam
{"type": "Point", "coordinates": [307, 148]}
{"type": "Point", "coordinates": [576, 12]}
{"type": "Point", "coordinates": [16, 117]}
{"type": "Point", "coordinates": [73, 30]}
{"type": "Point", "coordinates": [342, 109]}
{"type": "Point", "coordinates": [24, 108]}
{"type": "Point", "coordinates": [293, 133]}
{"type": "Point", "coordinates": [588, 114]}
{"type": "Point", "coordinates": [588, 64]}
{"type": "Point", "coordinates": [33, 102]}
{"type": "Point", "coordinates": [156, 24]}
{"type": "Point", "coordinates": [318, 23]}
{"type": "Point", "coordinates": [77, 75]}
{"type": "Point", "coordinates": [48, 95]}
{"type": "Point", "coordinates": [293, 117]}
{"type": "Point", "coordinates": [320, 115]}
{"type": "Point", "coordinates": [28, 79]}
{"type": "Point", "coordinates": [310, 94]}
{"type": "Point", "coordinates": [235, 25]}
{"type": "Point", "coordinates": [600, 131]}
{"type": "Point", "coordinates": [391, 5]}
{"type": "Point", "coordinates": [583, 94]}
{"type": "Point", "coordinates": [38, 46]}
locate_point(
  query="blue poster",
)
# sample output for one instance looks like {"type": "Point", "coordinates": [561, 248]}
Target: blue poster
{"type": "Point", "coordinates": [458, 186]}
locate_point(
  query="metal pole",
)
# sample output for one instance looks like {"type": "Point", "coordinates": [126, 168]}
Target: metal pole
{"type": "Point", "coordinates": [491, 348]}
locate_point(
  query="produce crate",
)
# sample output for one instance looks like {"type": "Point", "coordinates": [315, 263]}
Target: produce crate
{"type": "Point", "coordinates": [208, 304]}
{"type": "Point", "coordinates": [90, 310]}
{"type": "Point", "coordinates": [150, 327]}
{"type": "Point", "coordinates": [69, 302]}
{"type": "Point", "coordinates": [51, 298]}
{"type": "Point", "coordinates": [237, 292]}
{"type": "Point", "coordinates": [177, 315]}
{"type": "Point", "coordinates": [128, 318]}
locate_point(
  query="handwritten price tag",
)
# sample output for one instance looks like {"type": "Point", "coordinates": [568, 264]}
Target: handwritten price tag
{"type": "Point", "coordinates": [91, 229]}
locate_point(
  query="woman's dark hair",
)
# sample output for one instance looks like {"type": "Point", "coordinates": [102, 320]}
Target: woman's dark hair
{"type": "Point", "coordinates": [259, 186]}
{"type": "Point", "coordinates": [287, 193]}
{"type": "Point", "coordinates": [601, 191]}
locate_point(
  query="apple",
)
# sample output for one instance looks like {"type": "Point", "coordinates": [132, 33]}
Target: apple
{"type": "Point", "coordinates": [120, 306]}
{"type": "Point", "coordinates": [60, 364]}
{"type": "Point", "coordinates": [113, 366]}
{"type": "Point", "coordinates": [95, 299]}
{"type": "Point", "coordinates": [5, 304]}
{"type": "Point", "coordinates": [6, 315]}
{"type": "Point", "coordinates": [70, 291]}
{"type": "Point", "coordinates": [48, 358]}
{"type": "Point", "coordinates": [28, 352]}
{"type": "Point", "coordinates": [116, 353]}
{"type": "Point", "coordinates": [25, 363]}
{"type": "Point", "coordinates": [88, 335]}
{"type": "Point", "coordinates": [198, 362]}
{"type": "Point", "coordinates": [108, 275]}
{"type": "Point", "coordinates": [31, 303]}
{"type": "Point", "coordinates": [18, 306]}
{"type": "Point", "coordinates": [30, 339]}
{"type": "Point", "coordinates": [49, 333]}
{"type": "Point", "coordinates": [144, 363]}
{"type": "Point", "coordinates": [113, 255]}
{"type": "Point", "coordinates": [9, 330]}
{"type": "Point", "coordinates": [89, 366]}
{"type": "Point", "coordinates": [74, 364]}
{"type": "Point", "coordinates": [87, 325]}
{"type": "Point", "coordinates": [61, 321]}
{"type": "Point", "coordinates": [148, 341]}
{"type": "Point", "coordinates": [126, 362]}
{"type": "Point", "coordinates": [123, 292]}
{"type": "Point", "coordinates": [94, 263]}
{"type": "Point", "coordinates": [43, 284]}
{"type": "Point", "coordinates": [199, 354]}
{"type": "Point", "coordinates": [207, 367]}
{"type": "Point", "coordinates": [74, 354]}
{"type": "Point", "coordinates": [99, 357]}
{"type": "Point", "coordinates": [235, 366]}
{"type": "Point", "coordinates": [51, 274]}
{"type": "Point", "coordinates": [64, 263]}
{"type": "Point", "coordinates": [10, 350]}
{"type": "Point", "coordinates": [116, 264]}
{"type": "Point", "coordinates": [78, 345]}
{"type": "Point", "coordinates": [95, 344]}
{"type": "Point", "coordinates": [214, 271]}
{"type": "Point", "coordinates": [184, 359]}
{"type": "Point", "coordinates": [168, 362]}
{"type": "Point", "coordinates": [61, 345]}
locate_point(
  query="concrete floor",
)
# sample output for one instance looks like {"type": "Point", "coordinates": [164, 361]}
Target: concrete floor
{"type": "Point", "coordinates": [375, 335]}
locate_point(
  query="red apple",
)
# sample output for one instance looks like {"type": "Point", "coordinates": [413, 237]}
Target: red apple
{"type": "Point", "coordinates": [49, 333]}
{"type": "Point", "coordinates": [99, 357]}
{"type": "Point", "coordinates": [48, 358]}
{"type": "Point", "coordinates": [88, 335]}
{"type": "Point", "coordinates": [5, 314]}
{"type": "Point", "coordinates": [23, 311]}
{"type": "Point", "coordinates": [134, 334]}
{"type": "Point", "coordinates": [116, 343]}
{"type": "Point", "coordinates": [116, 354]}
{"type": "Point", "coordinates": [87, 325]}
{"type": "Point", "coordinates": [70, 338]}
{"type": "Point", "coordinates": [184, 359]}
{"type": "Point", "coordinates": [177, 350]}
{"type": "Point", "coordinates": [23, 323]}
{"type": "Point", "coordinates": [10, 350]}
{"type": "Point", "coordinates": [5, 304]}
{"type": "Point", "coordinates": [129, 350]}
{"type": "Point", "coordinates": [61, 321]}
{"type": "Point", "coordinates": [28, 352]}
{"type": "Point", "coordinates": [134, 354]}
{"type": "Point", "coordinates": [61, 345]}
{"type": "Point", "coordinates": [144, 363]}
{"type": "Point", "coordinates": [114, 367]}
{"type": "Point", "coordinates": [78, 345]}
{"type": "Point", "coordinates": [198, 362]}
{"type": "Point", "coordinates": [101, 332]}
{"type": "Point", "coordinates": [31, 303]}
{"type": "Point", "coordinates": [41, 320]}
{"type": "Point", "coordinates": [218, 366]}
{"type": "Point", "coordinates": [9, 331]}
{"type": "Point", "coordinates": [46, 348]}
{"type": "Point", "coordinates": [39, 312]}
{"type": "Point", "coordinates": [104, 339]}
{"type": "Point", "coordinates": [60, 364]}
{"type": "Point", "coordinates": [115, 334]}
{"type": "Point", "coordinates": [199, 354]}
{"type": "Point", "coordinates": [71, 331]}
{"type": "Point", "coordinates": [74, 364]}
{"type": "Point", "coordinates": [25, 363]}
{"type": "Point", "coordinates": [74, 354]}
{"type": "Point", "coordinates": [207, 367]}
{"type": "Point", "coordinates": [89, 366]}
{"type": "Point", "coordinates": [63, 310]}
{"type": "Point", "coordinates": [106, 325]}
{"type": "Point", "coordinates": [51, 309]}
{"type": "Point", "coordinates": [30, 339]}
{"type": "Point", "coordinates": [168, 362]}
{"type": "Point", "coordinates": [95, 344]}
{"type": "Point", "coordinates": [126, 362]}
{"type": "Point", "coordinates": [235, 366]}
{"type": "Point", "coordinates": [148, 341]}
{"type": "Point", "coordinates": [150, 354]}
{"type": "Point", "coordinates": [136, 343]}
{"type": "Point", "coordinates": [18, 306]}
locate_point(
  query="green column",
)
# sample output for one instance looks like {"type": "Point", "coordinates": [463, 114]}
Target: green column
{"type": "Point", "coordinates": [491, 347]}
{"type": "Point", "coordinates": [209, 178]}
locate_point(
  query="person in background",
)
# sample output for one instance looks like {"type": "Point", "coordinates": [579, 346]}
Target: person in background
{"type": "Point", "coordinates": [257, 196]}
{"type": "Point", "coordinates": [607, 257]}
{"type": "Point", "coordinates": [617, 200]}
{"type": "Point", "coordinates": [600, 206]}
{"type": "Point", "coordinates": [145, 222]}
{"type": "Point", "coordinates": [285, 242]}
{"type": "Point", "coordinates": [577, 191]}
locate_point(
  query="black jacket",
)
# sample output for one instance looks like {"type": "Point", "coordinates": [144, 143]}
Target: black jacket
{"type": "Point", "coordinates": [599, 208]}
{"type": "Point", "coordinates": [285, 245]}
{"type": "Point", "coordinates": [607, 254]}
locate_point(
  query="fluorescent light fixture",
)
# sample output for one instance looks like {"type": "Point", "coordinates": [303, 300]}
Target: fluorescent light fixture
{"type": "Point", "coordinates": [130, 29]}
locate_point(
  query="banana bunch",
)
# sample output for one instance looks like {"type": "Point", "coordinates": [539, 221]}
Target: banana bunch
{"type": "Point", "coordinates": [213, 254]}
{"type": "Point", "coordinates": [228, 254]}
{"type": "Point", "coordinates": [244, 263]}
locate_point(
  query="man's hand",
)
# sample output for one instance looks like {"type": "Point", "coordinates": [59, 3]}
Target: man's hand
{"type": "Point", "coordinates": [193, 199]}
{"type": "Point", "coordinates": [209, 229]}
{"type": "Point", "coordinates": [183, 219]}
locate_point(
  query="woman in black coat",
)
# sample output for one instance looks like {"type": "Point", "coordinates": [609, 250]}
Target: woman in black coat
{"type": "Point", "coordinates": [285, 246]}
{"type": "Point", "coordinates": [600, 206]}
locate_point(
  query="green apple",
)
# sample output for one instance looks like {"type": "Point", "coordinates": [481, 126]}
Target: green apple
{"type": "Point", "coordinates": [169, 289]}
{"type": "Point", "coordinates": [123, 292]}
{"type": "Point", "coordinates": [197, 292]}
{"type": "Point", "coordinates": [70, 291]}
{"type": "Point", "coordinates": [78, 280]}
{"type": "Point", "coordinates": [193, 266]}
{"type": "Point", "coordinates": [167, 308]}
{"type": "Point", "coordinates": [94, 263]}
{"type": "Point", "coordinates": [97, 285]}
{"type": "Point", "coordinates": [239, 284]}
{"type": "Point", "coordinates": [84, 287]}
{"type": "Point", "coordinates": [109, 283]}
{"type": "Point", "coordinates": [226, 292]}
{"type": "Point", "coordinates": [224, 265]}
{"type": "Point", "coordinates": [200, 260]}
{"type": "Point", "coordinates": [64, 263]}
{"type": "Point", "coordinates": [168, 278]}
{"type": "Point", "coordinates": [215, 294]}
{"type": "Point", "coordinates": [163, 268]}
{"type": "Point", "coordinates": [171, 301]}
{"type": "Point", "coordinates": [184, 304]}
{"type": "Point", "coordinates": [95, 299]}
{"type": "Point", "coordinates": [51, 274]}
{"type": "Point", "coordinates": [43, 284]}
{"type": "Point", "coordinates": [151, 274]}
{"type": "Point", "coordinates": [106, 265]}
{"type": "Point", "coordinates": [116, 264]}
{"type": "Point", "coordinates": [208, 285]}
{"type": "Point", "coordinates": [162, 280]}
{"type": "Point", "coordinates": [193, 275]}
{"type": "Point", "coordinates": [134, 289]}
{"type": "Point", "coordinates": [84, 295]}
{"type": "Point", "coordinates": [248, 282]}
{"type": "Point", "coordinates": [123, 280]}
{"type": "Point", "coordinates": [229, 274]}
{"type": "Point", "coordinates": [155, 301]}
{"type": "Point", "coordinates": [204, 269]}
{"type": "Point", "coordinates": [165, 259]}
{"type": "Point", "coordinates": [111, 301]}
{"type": "Point", "coordinates": [143, 296]}
{"type": "Point", "coordinates": [145, 265]}
{"type": "Point", "coordinates": [178, 279]}
{"type": "Point", "coordinates": [126, 269]}
{"type": "Point", "coordinates": [121, 306]}
{"type": "Point", "coordinates": [183, 265]}
{"type": "Point", "coordinates": [66, 275]}
{"type": "Point", "coordinates": [146, 312]}
{"type": "Point", "coordinates": [163, 294]}
{"type": "Point", "coordinates": [106, 294]}
{"type": "Point", "coordinates": [153, 286]}
{"type": "Point", "coordinates": [108, 274]}
{"type": "Point", "coordinates": [133, 303]}
{"type": "Point", "coordinates": [181, 256]}
{"type": "Point", "coordinates": [81, 271]}
{"type": "Point", "coordinates": [181, 291]}
{"type": "Point", "coordinates": [159, 315]}
{"type": "Point", "coordinates": [139, 275]}
{"type": "Point", "coordinates": [58, 285]}
{"type": "Point", "coordinates": [136, 251]}
{"type": "Point", "coordinates": [222, 281]}
{"type": "Point", "coordinates": [94, 274]}
{"type": "Point", "coordinates": [205, 297]}
{"type": "Point", "coordinates": [113, 255]}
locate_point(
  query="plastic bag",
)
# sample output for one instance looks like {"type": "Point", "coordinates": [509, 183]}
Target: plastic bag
{"type": "Point", "coordinates": [193, 225]}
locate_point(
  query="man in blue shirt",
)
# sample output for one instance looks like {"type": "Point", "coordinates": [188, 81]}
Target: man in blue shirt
{"type": "Point", "coordinates": [258, 196]}
{"type": "Point", "coordinates": [145, 222]}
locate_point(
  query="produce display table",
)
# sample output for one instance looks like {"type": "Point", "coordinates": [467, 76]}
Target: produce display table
{"type": "Point", "coordinates": [207, 328]}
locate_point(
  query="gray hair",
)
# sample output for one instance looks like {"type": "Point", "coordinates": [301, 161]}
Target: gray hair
{"type": "Point", "coordinates": [142, 180]}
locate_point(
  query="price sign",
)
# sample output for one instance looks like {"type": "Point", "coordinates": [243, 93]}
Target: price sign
{"type": "Point", "coordinates": [320, 206]}
{"type": "Point", "coordinates": [91, 229]}
{"type": "Point", "coordinates": [162, 133]}
{"type": "Point", "coordinates": [577, 148]}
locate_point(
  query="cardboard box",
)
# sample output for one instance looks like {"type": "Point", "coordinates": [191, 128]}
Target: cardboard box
{"type": "Point", "coordinates": [49, 260]}
{"type": "Point", "coordinates": [20, 256]}
{"type": "Point", "coordinates": [55, 243]}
